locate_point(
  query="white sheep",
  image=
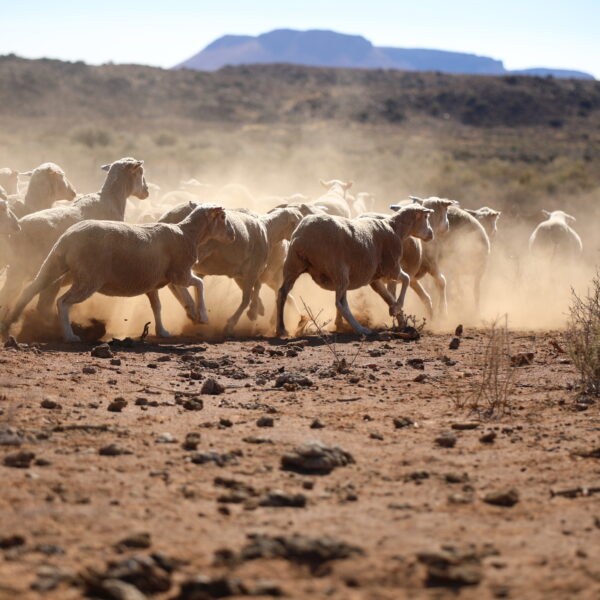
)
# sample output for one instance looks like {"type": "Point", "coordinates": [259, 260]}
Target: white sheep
{"type": "Point", "coordinates": [9, 224]}
{"type": "Point", "coordinates": [334, 201]}
{"type": "Point", "coordinates": [47, 184]}
{"type": "Point", "coordinates": [122, 259]}
{"type": "Point", "coordinates": [341, 254]}
{"type": "Point", "coordinates": [363, 203]}
{"type": "Point", "coordinates": [554, 238]}
{"type": "Point", "coordinates": [40, 230]}
{"type": "Point", "coordinates": [488, 217]}
{"type": "Point", "coordinates": [246, 258]}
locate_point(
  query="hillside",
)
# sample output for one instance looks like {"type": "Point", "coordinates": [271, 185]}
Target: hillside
{"type": "Point", "coordinates": [323, 48]}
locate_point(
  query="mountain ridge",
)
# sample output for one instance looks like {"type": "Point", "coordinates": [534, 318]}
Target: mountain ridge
{"type": "Point", "coordinates": [326, 48]}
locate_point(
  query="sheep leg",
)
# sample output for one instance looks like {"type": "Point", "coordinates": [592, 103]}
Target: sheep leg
{"type": "Point", "coordinates": [256, 306]}
{"type": "Point", "coordinates": [246, 288]}
{"type": "Point", "coordinates": [10, 291]}
{"type": "Point", "coordinates": [74, 295]}
{"type": "Point", "coordinates": [423, 295]}
{"type": "Point", "coordinates": [341, 303]}
{"type": "Point", "coordinates": [290, 301]}
{"type": "Point", "coordinates": [185, 299]}
{"type": "Point", "coordinates": [198, 283]}
{"type": "Point", "coordinates": [155, 304]}
{"type": "Point", "coordinates": [383, 291]}
{"type": "Point", "coordinates": [396, 308]}
{"type": "Point", "coordinates": [47, 298]}
{"type": "Point", "coordinates": [339, 319]}
{"type": "Point", "coordinates": [440, 283]}
{"type": "Point", "coordinates": [282, 296]}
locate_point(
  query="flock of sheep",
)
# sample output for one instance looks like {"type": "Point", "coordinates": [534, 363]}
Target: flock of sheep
{"type": "Point", "coordinates": [121, 242]}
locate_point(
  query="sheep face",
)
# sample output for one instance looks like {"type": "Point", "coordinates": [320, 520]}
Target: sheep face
{"type": "Point", "coordinates": [559, 215]}
{"type": "Point", "coordinates": [488, 218]}
{"type": "Point", "coordinates": [49, 181]}
{"type": "Point", "coordinates": [343, 185]}
{"type": "Point", "coordinates": [139, 185]}
{"type": "Point", "coordinates": [421, 228]}
{"type": "Point", "coordinates": [63, 190]}
{"type": "Point", "coordinates": [8, 221]}
{"type": "Point", "coordinates": [220, 227]}
{"type": "Point", "coordinates": [439, 219]}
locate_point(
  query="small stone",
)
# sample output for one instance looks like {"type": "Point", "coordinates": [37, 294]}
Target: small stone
{"type": "Point", "coordinates": [317, 424]}
{"type": "Point", "coordinates": [11, 541]}
{"type": "Point", "coordinates": [315, 457]}
{"type": "Point", "coordinates": [202, 587]}
{"type": "Point", "coordinates": [115, 362]}
{"type": "Point", "coordinates": [191, 441]}
{"type": "Point", "coordinates": [102, 351]}
{"type": "Point", "coordinates": [507, 497]}
{"type": "Point", "coordinates": [416, 363]}
{"type": "Point", "coordinates": [454, 344]}
{"type": "Point", "coordinates": [258, 349]}
{"type": "Point", "coordinates": [10, 437]}
{"type": "Point", "coordinates": [458, 331]}
{"type": "Point", "coordinates": [193, 404]}
{"type": "Point", "coordinates": [265, 421]}
{"type": "Point", "coordinates": [117, 405]}
{"type": "Point", "coordinates": [141, 401]}
{"type": "Point", "coordinates": [50, 404]}
{"type": "Point", "coordinates": [420, 378]}
{"type": "Point", "coordinates": [212, 387]}
{"type": "Point", "coordinates": [290, 378]}
{"type": "Point", "coordinates": [165, 438]}
{"type": "Point", "coordinates": [401, 422]}
{"type": "Point", "coordinates": [223, 422]}
{"type": "Point", "coordinates": [113, 450]}
{"type": "Point", "coordinates": [447, 439]}
{"type": "Point", "coordinates": [19, 460]}
{"type": "Point", "coordinates": [88, 370]}
{"type": "Point", "coordinates": [375, 435]}
{"type": "Point", "coordinates": [277, 498]}
{"type": "Point", "coordinates": [488, 437]}
{"type": "Point", "coordinates": [115, 589]}
{"type": "Point", "coordinates": [136, 540]}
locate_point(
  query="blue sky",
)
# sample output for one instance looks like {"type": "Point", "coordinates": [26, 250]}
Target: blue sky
{"type": "Point", "coordinates": [522, 33]}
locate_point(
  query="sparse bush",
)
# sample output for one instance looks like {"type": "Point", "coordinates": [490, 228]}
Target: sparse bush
{"type": "Point", "coordinates": [493, 388]}
{"type": "Point", "coordinates": [583, 337]}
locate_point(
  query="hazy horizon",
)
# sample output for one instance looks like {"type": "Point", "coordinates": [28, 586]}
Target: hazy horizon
{"type": "Point", "coordinates": [538, 34]}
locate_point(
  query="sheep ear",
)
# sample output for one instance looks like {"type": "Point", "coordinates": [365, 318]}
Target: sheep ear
{"type": "Point", "coordinates": [571, 218]}
{"type": "Point", "coordinates": [138, 164]}
{"type": "Point", "coordinates": [546, 212]}
{"type": "Point", "coordinates": [348, 185]}
{"type": "Point", "coordinates": [395, 207]}
{"type": "Point", "coordinates": [26, 173]}
{"type": "Point", "coordinates": [416, 199]}
{"type": "Point", "coordinates": [106, 167]}
{"type": "Point", "coordinates": [325, 184]}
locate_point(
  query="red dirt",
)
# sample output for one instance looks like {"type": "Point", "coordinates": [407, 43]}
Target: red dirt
{"type": "Point", "coordinates": [392, 502]}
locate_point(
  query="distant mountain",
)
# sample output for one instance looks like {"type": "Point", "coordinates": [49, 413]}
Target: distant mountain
{"type": "Point", "coordinates": [322, 48]}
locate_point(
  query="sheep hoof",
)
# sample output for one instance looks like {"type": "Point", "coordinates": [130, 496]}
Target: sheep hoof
{"type": "Point", "coordinates": [72, 339]}
{"type": "Point", "coordinates": [282, 333]}
{"type": "Point", "coordinates": [363, 331]}
{"type": "Point", "coordinates": [163, 333]}
{"type": "Point", "coordinates": [395, 310]}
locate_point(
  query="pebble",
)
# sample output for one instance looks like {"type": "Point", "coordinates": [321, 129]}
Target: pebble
{"type": "Point", "coordinates": [465, 425]}
{"type": "Point", "coordinates": [447, 439]}
{"type": "Point", "coordinates": [488, 437]}
{"type": "Point", "coordinates": [136, 540]}
{"type": "Point", "coordinates": [165, 438]}
{"type": "Point", "coordinates": [265, 421]}
{"type": "Point", "coordinates": [191, 441]}
{"type": "Point", "coordinates": [117, 405]}
{"type": "Point", "coordinates": [507, 497]}
{"type": "Point", "coordinates": [50, 404]}
{"type": "Point", "coordinates": [113, 450]}
{"type": "Point", "coordinates": [88, 370]}
{"type": "Point", "coordinates": [212, 387]}
{"type": "Point", "coordinates": [454, 344]}
{"type": "Point", "coordinates": [401, 422]}
{"type": "Point", "coordinates": [317, 424]}
{"type": "Point", "coordinates": [315, 457]}
{"type": "Point", "coordinates": [19, 460]}
{"type": "Point", "coordinates": [102, 351]}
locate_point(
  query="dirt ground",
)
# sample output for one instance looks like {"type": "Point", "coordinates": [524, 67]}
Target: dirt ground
{"type": "Point", "coordinates": [405, 517]}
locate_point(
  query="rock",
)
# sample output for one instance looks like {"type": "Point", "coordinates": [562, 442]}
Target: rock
{"type": "Point", "coordinates": [587, 452]}
{"type": "Point", "coordinates": [141, 402]}
{"type": "Point", "coordinates": [115, 362]}
{"type": "Point", "coordinates": [19, 460]}
{"type": "Point", "coordinates": [258, 349]}
{"type": "Point", "coordinates": [88, 370]}
{"type": "Point", "coordinates": [317, 424]}
{"type": "Point", "coordinates": [193, 404]}
{"type": "Point", "coordinates": [401, 422]}
{"type": "Point", "coordinates": [460, 499]}
{"type": "Point", "coordinates": [165, 438]}
{"type": "Point", "coordinates": [265, 421]}
{"type": "Point", "coordinates": [465, 425]}
{"type": "Point", "coordinates": [117, 405]}
{"type": "Point", "coordinates": [454, 344]}
{"type": "Point", "coordinates": [447, 440]}
{"type": "Point", "coordinates": [11, 541]}
{"type": "Point", "coordinates": [135, 540]}
{"type": "Point", "coordinates": [521, 359]}
{"type": "Point", "coordinates": [421, 377]}
{"type": "Point", "coordinates": [451, 568]}
{"type": "Point", "coordinates": [277, 498]}
{"type": "Point", "coordinates": [191, 441]}
{"type": "Point", "coordinates": [416, 363]}
{"type": "Point", "coordinates": [11, 342]}
{"type": "Point", "coordinates": [376, 352]}
{"type": "Point", "coordinates": [458, 331]}
{"type": "Point", "coordinates": [508, 497]}
{"type": "Point", "coordinates": [315, 457]}
{"type": "Point", "coordinates": [212, 387]}
{"type": "Point", "coordinates": [202, 587]}
{"type": "Point", "coordinates": [291, 378]}
{"type": "Point", "coordinates": [49, 577]}
{"type": "Point", "coordinates": [114, 589]}
{"type": "Point", "coordinates": [226, 423]}
{"type": "Point", "coordinates": [113, 450]}
{"type": "Point", "coordinates": [296, 548]}
{"type": "Point", "coordinates": [50, 404]}
{"type": "Point", "coordinates": [228, 458]}
{"type": "Point", "coordinates": [265, 587]}
{"type": "Point", "coordinates": [456, 477]}
{"type": "Point", "coordinates": [251, 439]}
{"type": "Point", "coordinates": [102, 351]}
{"type": "Point", "coordinates": [488, 437]}
{"type": "Point", "coordinates": [10, 437]}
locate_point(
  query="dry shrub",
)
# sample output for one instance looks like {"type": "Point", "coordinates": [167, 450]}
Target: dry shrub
{"type": "Point", "coordinates": [583, 337]}
{"type": "Point", "coordinates": [493, 388]}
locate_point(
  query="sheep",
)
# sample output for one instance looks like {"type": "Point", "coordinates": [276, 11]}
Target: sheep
{"type": "Point", "coordinates": [40, 230]}
{"type": "Point", "coordinates": [488, 217]}
{"type": "Point", "coordinates": [334, 201]}
{"type": "Point", "coordinates": [418, 261]}
{"type": "Point", "coordinates": [121, 259]}
{"type": "Point", "coordinates": [341, 254]}
{"type": "Point", "coordinates": [47, 184]}
{"type": "Point", "coordinates": [9, 181]}
{"type": "Point", "coordinates": [246, 258]}
{"type": "Point", "coordinates": [554, 238]}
